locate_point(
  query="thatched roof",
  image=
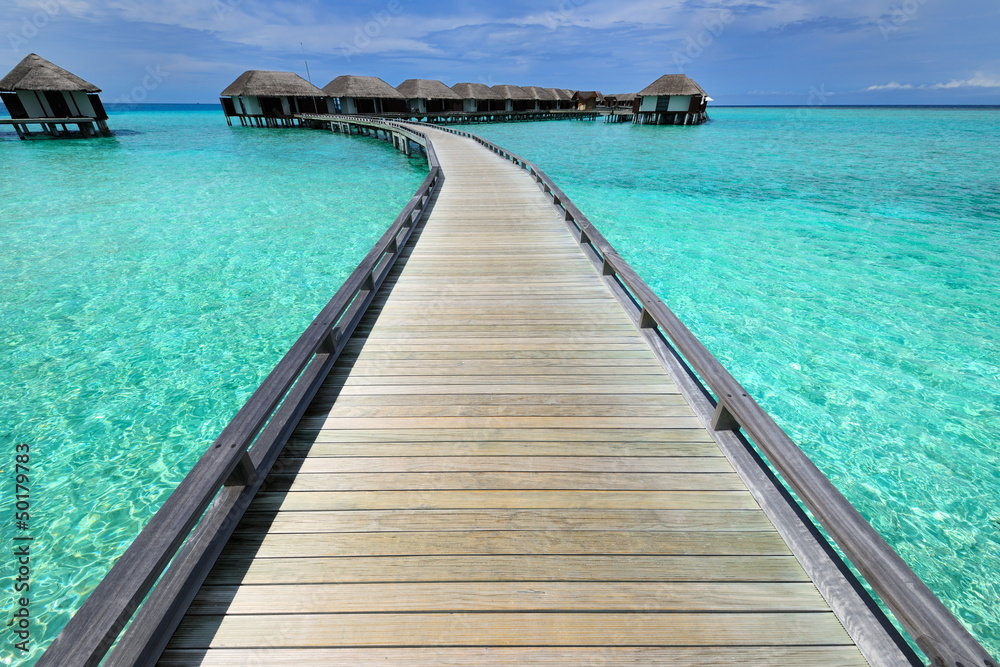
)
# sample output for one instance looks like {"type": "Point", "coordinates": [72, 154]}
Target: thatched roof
{"type": "Point", "coordinates": [37, 73]}
{"type": "Point", "coordinates": [537, 93]}
{"type": "Point", "coordinates": [673, 84]}
{"type": "Point", "coordinates": [507, 92]}
{"type": "Point", "coordinates": [426, 89]}
{"type": "Point", "coordinates": [475, 91]}
{"type": "Point", "coordinates": [361, 86]}
{"type": "Point", "coordinates": [587, 95]}
{"type": "Point", "coordinates": [561, 94]}
{"type": "Point", "coordinates": [260, 83]}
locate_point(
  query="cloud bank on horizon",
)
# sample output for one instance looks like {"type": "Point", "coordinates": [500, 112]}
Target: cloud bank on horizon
{"type": "Point", "coordinates": [741, 51]}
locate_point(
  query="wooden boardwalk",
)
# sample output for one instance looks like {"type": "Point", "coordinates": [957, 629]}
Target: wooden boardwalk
{"type": "Point", "coordinates": [499, 470]}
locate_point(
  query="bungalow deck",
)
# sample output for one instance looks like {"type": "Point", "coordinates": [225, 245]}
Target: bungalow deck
{"type": "Point", "coordinates": [87, 127]}
{"type": "Point", "coordinates": [491, 448]}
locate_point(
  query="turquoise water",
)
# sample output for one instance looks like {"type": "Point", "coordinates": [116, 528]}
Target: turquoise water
{"type": "Point", "coordinates": [150, 282]}
{"type": "Point", "coordinates": [844, 265]}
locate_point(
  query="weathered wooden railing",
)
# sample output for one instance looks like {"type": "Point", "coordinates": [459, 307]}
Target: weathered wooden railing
{"type": "Point", "coordinates": [219, 488]}
{"type": "Point", "coordinates": [934, 628]}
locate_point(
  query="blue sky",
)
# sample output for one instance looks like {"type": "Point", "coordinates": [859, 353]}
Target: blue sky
{"type": "Point", "coordinates": [741, 51]}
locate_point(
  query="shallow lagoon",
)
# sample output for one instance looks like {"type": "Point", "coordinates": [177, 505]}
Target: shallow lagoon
{"type": "Point", "coordinates": [843, 264]}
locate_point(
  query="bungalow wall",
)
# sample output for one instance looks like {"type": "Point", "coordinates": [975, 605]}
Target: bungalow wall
{"type": "Point", "coordinates": [54, 104]}
{"type": "Point", "coordinates": [666, 103]}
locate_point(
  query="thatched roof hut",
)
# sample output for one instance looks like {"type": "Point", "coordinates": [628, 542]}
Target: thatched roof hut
{"type": "Point", "coordinates": [429, 96]}
{"type": "Point", "coordinates": [541, 94]}
{"type": "Point", "coordinates": [37, 73]}
{"type": "Point", "coordinates": [262, 83]}
{"type": "Point", "coordinates": [426, 89]}
{"type": "Point", "coordinates": [544, 99]}
{"type": "Point", "coordinates": [673, 84]}
{"type": "Point", "coordinates": [475, 91]}
{"type": "Point", "coordinates": [516, 98]}
{"type": "Point", "coordinates": [37, 89]}
{"type": "Point", "coordinates": [564, 98]}
{"type": "Point", "coordinates": [509, 92]}
{"type": "Point", "coordinates": [370, 87]}
{"type": "Point", "coordinates": [619, 100]}
{"type": "Point", "coordinates": [673, 99]}
{"type": "Point", "coordinates": [587, 100]}
{"type": "Point", "coordinates": [478, 97]}
{"type": "Point", "coordinates": [364, 95]}
{"type": "Point", "coordinates": [271, 99]}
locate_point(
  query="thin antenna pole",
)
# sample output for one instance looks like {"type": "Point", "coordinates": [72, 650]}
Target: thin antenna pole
{"type": "Point", "coordinates": [308, 75]}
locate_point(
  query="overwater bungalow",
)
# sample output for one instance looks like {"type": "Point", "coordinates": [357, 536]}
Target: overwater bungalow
{"type": "Point", "coordinates": [364, 95]}
{"type": "Point", "coordinates": [544, 99]}
{"type": "Point", "coordinates": [271, 99]}
{"type": "Point", "coordinates": [38, 92]}
{"type": "Point", "coordinates": [620, 100]}
{"type": "Point", "coordinates": [564, 98]}
{"type": "Point", "coordinates": [587, 100]}
{"type": "Point", "coordinates": [478, 97]}
{"type": "Point", "coordinates": [429, 96]}
{"type": "Point", "coordinates": [515, 97]}
{"type": "Point", "coordinates": [673, 99]}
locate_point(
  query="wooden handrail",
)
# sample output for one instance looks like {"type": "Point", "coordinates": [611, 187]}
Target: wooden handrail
{"type": "Point", "coordinates": [934, 628]}
{"type": "Point", "coordinates": [217, 490]}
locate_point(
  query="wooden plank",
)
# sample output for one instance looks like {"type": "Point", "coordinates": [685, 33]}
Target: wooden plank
{"type": "Point", "coordinates": [510, 629]}
{"type": "Point", "coordinates": [465, 499]}
{"type": "Point", "coordinates": [646, 596]}
{"type": "Point", "coordinates": [317, 444]}
{"type": "Point", "coordinates": [493, 382]}
{"type": "Point", "coordinates": [506, 480]}
{"type": "Point", "coordinates": [601, 464]}
{"type": "Point", "coordinates": [469, 520]}
{"type": "Point", "coordinates": [510, 435]}
{"type": "Point", "coordinates": [233, 569]}
{"type": "Point", "coordinates": [688, 421]}
{"type": "Point", "coordinates": [488, 386]}
{"type": "Point", "coordinates": [674, 656]}
{"type": "Point", "coordinates": [491, 408]}
{"type": "Point", "coordinates": [577, 543]}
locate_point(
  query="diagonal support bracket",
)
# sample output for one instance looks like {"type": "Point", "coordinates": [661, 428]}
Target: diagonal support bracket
{"type": "Point", "coordinates": [244, 473]}
{"type": "Point", "coordinates": [723, 419]}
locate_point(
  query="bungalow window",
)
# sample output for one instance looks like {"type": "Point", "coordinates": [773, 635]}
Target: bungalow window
{"type": "Point", "coordinates": [60, 109]}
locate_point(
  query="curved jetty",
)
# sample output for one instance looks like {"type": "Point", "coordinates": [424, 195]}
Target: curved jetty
{"type": "Point", "coordinates": [491, 447]}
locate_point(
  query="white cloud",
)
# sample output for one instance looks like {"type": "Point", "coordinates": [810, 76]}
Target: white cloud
{"type": "Point", "coordinates": [979, 80]}
{"type": "Point", "coordinates": [890, 86]}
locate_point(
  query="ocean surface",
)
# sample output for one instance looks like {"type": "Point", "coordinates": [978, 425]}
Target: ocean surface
{"type": "Point", "coordinates": [844, 264]}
